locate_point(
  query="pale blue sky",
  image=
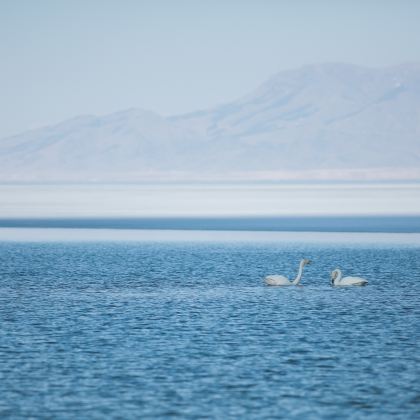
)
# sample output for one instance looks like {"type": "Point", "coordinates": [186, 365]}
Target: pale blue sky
{"type": "Point", "coordinates": [64, 58]}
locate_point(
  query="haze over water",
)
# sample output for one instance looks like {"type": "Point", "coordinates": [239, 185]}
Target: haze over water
{"type": "Point", "coordinates": [276, 199]}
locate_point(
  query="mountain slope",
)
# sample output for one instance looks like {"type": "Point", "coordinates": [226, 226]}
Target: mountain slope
{"type": "Point", "coordinates": [322, 121]}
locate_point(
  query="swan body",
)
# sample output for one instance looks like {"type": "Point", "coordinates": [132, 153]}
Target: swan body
{"type": "Point", "coordinates": [337, 279]}
{"type": "Point", "coordinates": [278, 280]}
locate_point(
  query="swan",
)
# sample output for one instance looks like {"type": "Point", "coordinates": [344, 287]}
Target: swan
{"type": "Point", "coordinates": [276, 280]}
{"type": "Point", "coordinates": [338, 280]}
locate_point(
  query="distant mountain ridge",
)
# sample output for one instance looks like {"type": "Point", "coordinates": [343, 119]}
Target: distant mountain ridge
{"type": "Point", "coordinates": [326, 121]}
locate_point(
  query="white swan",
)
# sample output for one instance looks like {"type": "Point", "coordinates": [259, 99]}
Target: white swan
{"type": "Point", "coordinates": [337, 279]}
{"type": "Point", "coordinates": [276, 280]}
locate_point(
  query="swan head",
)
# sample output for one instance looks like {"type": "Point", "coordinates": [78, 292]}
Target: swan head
{"type": "Point", "coordinates": [334, 275]}
{"type": "Point", "coordinates": [305, 261]}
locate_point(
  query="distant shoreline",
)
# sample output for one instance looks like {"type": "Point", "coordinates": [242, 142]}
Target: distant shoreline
{"type": "Point", "coordinates": [217, 182]}
{"type": "Point", "coordinates": [369, 224]}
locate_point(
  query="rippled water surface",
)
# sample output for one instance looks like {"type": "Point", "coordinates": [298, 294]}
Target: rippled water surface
{"type": "Point", "coordinates": [158, 329]}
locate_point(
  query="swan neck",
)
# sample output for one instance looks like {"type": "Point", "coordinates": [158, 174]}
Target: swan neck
{"type": "Point", "coordinates": [339, 276]}
{"type": "Point", "coordinates": [299, 275]}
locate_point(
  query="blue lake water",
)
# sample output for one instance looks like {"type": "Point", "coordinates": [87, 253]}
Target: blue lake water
{"type": "Point", "coordinates": [157, 329]}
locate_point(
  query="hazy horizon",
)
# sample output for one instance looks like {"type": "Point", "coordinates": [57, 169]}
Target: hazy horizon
{"type": "Point", "coordinates": [64, 60]}
{"type": "Point", "coordinates": [211, 106]}
{"type": "Point", "coordinates": [209, 200]}
{"type": "Point", "coordinates": [239, 91]}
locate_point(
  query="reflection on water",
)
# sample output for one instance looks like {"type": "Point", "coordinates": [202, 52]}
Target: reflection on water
{"type": "Point", "coordinates": [161, 329]}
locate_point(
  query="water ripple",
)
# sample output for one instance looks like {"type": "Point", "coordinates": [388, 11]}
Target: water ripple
{"type": "Point", "coordinates": [189, 330]}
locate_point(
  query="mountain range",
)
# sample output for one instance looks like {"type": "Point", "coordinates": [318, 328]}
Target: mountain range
{"type": "Point", "coordinates": [327, 121]}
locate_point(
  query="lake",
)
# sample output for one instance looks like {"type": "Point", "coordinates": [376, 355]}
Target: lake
{"type": "Point", "coordinates": [156, 324]}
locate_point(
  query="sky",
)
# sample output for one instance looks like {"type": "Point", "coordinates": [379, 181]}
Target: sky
{"type": "Point", "coordinates": [60, 59]}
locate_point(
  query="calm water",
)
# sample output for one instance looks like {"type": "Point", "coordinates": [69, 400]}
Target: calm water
{"type": "Point", "coordinates": [166, 329]}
